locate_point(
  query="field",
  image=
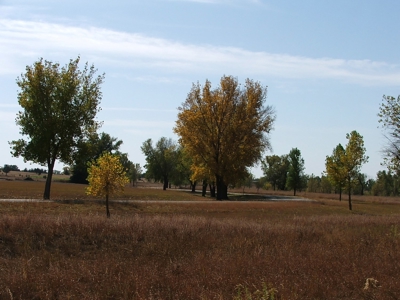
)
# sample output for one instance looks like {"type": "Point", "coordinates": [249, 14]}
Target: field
{"type": "Point", "coordinates": [194, 249]}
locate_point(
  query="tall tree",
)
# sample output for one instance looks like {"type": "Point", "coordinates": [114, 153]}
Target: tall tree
{"type": "Point", "coordinates": [135, 171]}
{"type": "Point", "coordinates": [326, 184]}
{"type": "Point", "coordinates": [275, 169]}
{"type": "Point", "coordinates": [107, 177]}
{"type": "Point", "coordinates": [183, 174]}
{"type": "Point", "coordinates": [335, 168]}
{"type": "Point", "coordinates": [225, 129]}
{"type": "Point", "coordinates": [161, 160]}
{"type": "Point", "coordinates": [295, 179]}
{"type": "Point", "coordinates": [353, 159]}
{"type": "Point", "coordinates": [59, 106]}
{"type": "Point", "coordinates": [389, 117]}
{"type": "Point", "coordinates": [314, 184]}
{"type": "Point", "coordinates": [384, 184]}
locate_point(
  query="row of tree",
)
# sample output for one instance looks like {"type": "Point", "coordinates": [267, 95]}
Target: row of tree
{"type": "Point", "coordinates": [90, 149]}
{"type": "Point", "coordinates": [8, 168]}
{"type": "Point", "coordinates": [222, 131]}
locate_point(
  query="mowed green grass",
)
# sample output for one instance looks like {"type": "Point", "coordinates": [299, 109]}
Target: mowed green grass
{"type": "Point", "coordinates": [192, 249]}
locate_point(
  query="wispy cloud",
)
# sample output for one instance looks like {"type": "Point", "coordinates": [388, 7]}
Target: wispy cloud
{"type": "Point", "coordinates": [22, 39]}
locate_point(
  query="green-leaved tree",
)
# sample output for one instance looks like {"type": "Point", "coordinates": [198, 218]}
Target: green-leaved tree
{"type": "Point", "coordinates": [295, 179]}
{"type": "Point", "coordinates": [353, 159]}
{"type": "Point", "coordinates": [59, 106]}
{"type": "Point", "coordinates": [275, 169]}
{"type": "Point", "coordinates": [389, 113]}
{"type": "Point", "coordinates": [335, 168]}
{"type": "Point", "coordinates": [161, 160]}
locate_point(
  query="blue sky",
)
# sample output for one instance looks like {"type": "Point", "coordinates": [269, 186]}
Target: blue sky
{"type": "Point", "coordinates": [327, 64]}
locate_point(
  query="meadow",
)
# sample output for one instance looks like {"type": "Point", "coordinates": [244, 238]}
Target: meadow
{"type": "Point", "coordinates": [178, 245]}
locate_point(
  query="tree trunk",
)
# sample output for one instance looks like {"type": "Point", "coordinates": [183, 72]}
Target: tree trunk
{"type": "Point", "coordinates": [340, 194]}
{"type": "Point", "coordinates": [294, 192]}
{"type": "Point", "coordinates": [212, 190]}
{"type": "Point", "coordinates": [165, 185]}
{"type": "Point", "coordinates": [193, 185]}
{"type": "Point", "coordinates": [350, 206]}
{"type": "Point", "coordinates": [107, 209]}
{"type": "Point", "coordinates": [204, 188]}
{"type": "Point", "coordinates": [222, 189]}
{"type": "Point", "coordinates": [50, 167]}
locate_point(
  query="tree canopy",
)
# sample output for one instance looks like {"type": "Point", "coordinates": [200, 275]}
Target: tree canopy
{"type": "Point", "coordinates": [90, 149]}
{"type": "Point", "coordinates": [161, 160]}
{"type": "Point", "coordinates": [353, 159]}
{"type": "Point", "coordinates": [59, 106]}
{"type": "Point", "coordinates": [275, 169]}
{"type": "Point", "coordinates": [335, 168]}
{"type": "Point", "coordinates": [389, 117]}
{"type": "Point", "coordinates": [225, 130]}
{"type": "Point", "coordinates": [107, 177]}
{"type": "Point", "coordinates": [134, 173]}
{"type": "Point", "coordinates": [295, 177]}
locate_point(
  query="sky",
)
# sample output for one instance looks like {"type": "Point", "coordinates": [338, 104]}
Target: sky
{"type": "Point", "coordinates": [326, 64]}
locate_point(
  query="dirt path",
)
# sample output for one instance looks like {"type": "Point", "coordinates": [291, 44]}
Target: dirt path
{"type": "Point", "coordinates": [266, 198]}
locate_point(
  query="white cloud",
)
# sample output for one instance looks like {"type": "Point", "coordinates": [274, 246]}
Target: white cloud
{"type": "Point", "coordinates": [20, 40]}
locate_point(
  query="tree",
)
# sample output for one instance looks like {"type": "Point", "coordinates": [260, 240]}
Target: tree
{"type": "Point", "coordinates": [389, 117]}
{"type": "Point", "coordinates": [384, 184]}
{"type": "Point", "coordinates": [66, 170]}
{"type": "Point", "coordinates": [275, 169]}
{"type": "Point", "coordinates": [135, 171]}
{"type": "Point", "coordinates": [225, 130]}
{"type": "Point", "coordinates": [107, 177]}
{"type": "Point", "coordinates": [259, 183]}
{"type": "Point", "coordinates": [326, 184]}
{"type": "Point", "coordinates": [361, 184]}
{"type": "Point", "coordinates": [184, 172]}
{"type": "Point", "coordinates": [314, 184]}
{"type": "Point", "coordinates": [203, 174]}
{"type": "Point", "coordinates": [6, 169]}
{"type": "Point", "coordinates": [161, 160]}
{"type": "Point", "coordinates": [335, 170]}
{"type": "Point", "coordinates": [247, 181]}
{"type": "Point", "coordinates": [353, 159]}
{"type": "Point", "coordinates": [295, 179]}
{"type": "Point", "coordinates": [90, 149]}
{"type": "Point", "coordinates": [59, 106]}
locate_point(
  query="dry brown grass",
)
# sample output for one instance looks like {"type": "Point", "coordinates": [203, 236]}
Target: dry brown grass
{"type": "Point", "coordinates": [69, 191]}
{"type": "Point", "coordinates": [20, 175]}
{"type": "Point", "coordinates": [198, 250]}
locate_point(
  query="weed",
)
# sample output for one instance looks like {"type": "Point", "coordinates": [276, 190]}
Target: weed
{"type": "Point", "coordinates": [243, 293]}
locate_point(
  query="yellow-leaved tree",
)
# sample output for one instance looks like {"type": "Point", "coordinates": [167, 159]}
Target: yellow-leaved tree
{"type": "Point", "coordinates": [225, 130]}
{"type": "Point", "coordinates": [107, 177]}
{"type": "Point", "coordinates": [335, 168]}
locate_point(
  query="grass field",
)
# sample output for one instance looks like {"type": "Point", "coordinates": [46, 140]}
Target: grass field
{"type": "Point", "coordinates": [191, 249]}
{"type": "Point", "coordinates": [20, 175]}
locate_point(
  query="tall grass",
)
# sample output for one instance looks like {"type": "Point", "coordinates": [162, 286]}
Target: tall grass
{"type": "Point", "coordinates": [196, 251]}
